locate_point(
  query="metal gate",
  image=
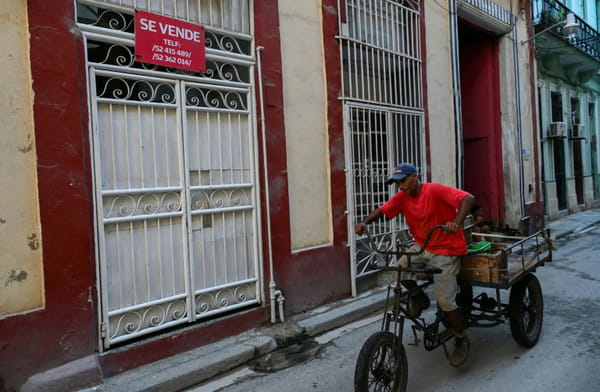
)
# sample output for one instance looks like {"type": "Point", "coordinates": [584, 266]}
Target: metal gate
{"type": "Point", "coordinates": [380, 47]}
{"type": "Point", "coordinates": [174, 171]}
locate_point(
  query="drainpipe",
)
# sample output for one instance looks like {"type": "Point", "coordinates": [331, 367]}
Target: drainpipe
{"type": "Point", "coordinates": [456, 92]}
{"type": "Point", "coordinates": [274, 294]}
{"type": "Point", "coordinates": [524, 219]}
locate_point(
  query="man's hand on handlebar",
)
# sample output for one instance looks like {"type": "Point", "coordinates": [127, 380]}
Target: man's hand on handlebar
{"type": "Point", "coordinates": [360, 228]}
{"type": "Point", "coordinates": [451, 228]}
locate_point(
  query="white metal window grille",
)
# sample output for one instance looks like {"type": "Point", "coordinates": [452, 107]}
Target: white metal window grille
{"type": "Point", "coordinates": [174, 171]}
{"type": "Point", "coordinates": [380, 47]}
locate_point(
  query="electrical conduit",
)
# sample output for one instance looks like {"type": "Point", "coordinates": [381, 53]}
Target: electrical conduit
{"type": "Point", "coordinates": [276, 295]}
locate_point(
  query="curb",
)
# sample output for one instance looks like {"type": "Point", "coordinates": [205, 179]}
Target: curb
{"type": "Point", "coordinates": [561, 233]}
{"type": "Point", "coordinates": [199, 365]}
{"type": "Point", "coordinates": [337, 316]}
{"type": "Point", "coordinates": [189, 368]}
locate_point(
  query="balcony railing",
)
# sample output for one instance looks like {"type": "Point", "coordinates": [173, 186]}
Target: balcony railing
{"type": "Point", "coordinates": [549, 12]}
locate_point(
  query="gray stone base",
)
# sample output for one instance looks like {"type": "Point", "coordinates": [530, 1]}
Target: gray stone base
{"type": "Point", "coordinates": [79, 374]}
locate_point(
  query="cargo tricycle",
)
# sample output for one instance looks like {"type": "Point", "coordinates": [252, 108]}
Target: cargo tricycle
{"type": "Point", "coordinates": [503, 263]}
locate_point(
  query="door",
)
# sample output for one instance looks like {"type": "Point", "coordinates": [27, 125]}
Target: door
{"type": "Point", "coordinates": [377, 140]}
{"type": "Point", "coordinates": [174, 157]}
{"type": "Point", "coordinates": [593, 146]}
{"type": "Point", "coordinates": [481, 121]}
{"type": "Point", "coordinates": [560, 174]}
{"type": "Point", "coordinates": [578, 170]}
{"type": "Point", "coordinates": [380, 48]}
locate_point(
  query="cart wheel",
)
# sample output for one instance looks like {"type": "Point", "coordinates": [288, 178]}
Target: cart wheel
{"type": "Point", "coordinates": [381, 364]}
{"type": "Point", "coordinates": [525, 309]}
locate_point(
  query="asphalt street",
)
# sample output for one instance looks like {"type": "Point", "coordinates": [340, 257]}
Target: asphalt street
{"type": "Point", "coordinates": [566, 358]}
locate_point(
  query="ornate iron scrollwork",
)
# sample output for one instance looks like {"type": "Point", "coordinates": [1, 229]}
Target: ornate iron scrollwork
{"type": "Point", "coordinates": [123, 55]}
{"type": "Point", "coordinates": [135, 90]}
{"type": "Point", "coordinates": [141, 204]}
{"type": "Point", "coordinates": [216, 99]}
{"type": "Point", "coordinates": [225, 297]}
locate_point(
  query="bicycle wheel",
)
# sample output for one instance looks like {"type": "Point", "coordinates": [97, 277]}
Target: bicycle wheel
{"type": "Point", "coordinates": [381, 364]}
{"type": "Point", "coordinates": [525, 309]}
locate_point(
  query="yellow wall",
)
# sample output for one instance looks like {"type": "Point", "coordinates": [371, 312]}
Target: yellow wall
{"type": "Point", "coordinates": [305, 105]}
{"type": "Point", "coordinates": [440, 104]}
{"type": "Point", "coordinates": [21, 278]}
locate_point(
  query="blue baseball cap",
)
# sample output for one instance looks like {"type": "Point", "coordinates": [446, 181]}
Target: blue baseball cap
{"type": "Point", "coordinates": [401, 171]}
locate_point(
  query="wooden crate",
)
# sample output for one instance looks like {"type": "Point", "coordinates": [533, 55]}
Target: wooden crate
{"type": "Point", "coordinates": [489, 267]}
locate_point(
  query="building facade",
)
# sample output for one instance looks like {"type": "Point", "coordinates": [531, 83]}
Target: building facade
{"type": "Point", "coordinates": [568, 65]}
{"type": "Point", "coordinates": [169, 208]}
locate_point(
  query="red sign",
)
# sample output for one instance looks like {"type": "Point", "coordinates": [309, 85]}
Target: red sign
{"type": "Point", "coordinates": [169, 42]}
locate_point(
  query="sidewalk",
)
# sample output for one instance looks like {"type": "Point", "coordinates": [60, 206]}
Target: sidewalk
{"type": "Point", "coordinates": [199, 365]}
{"type": "Point", "coordinates": [574, 223]}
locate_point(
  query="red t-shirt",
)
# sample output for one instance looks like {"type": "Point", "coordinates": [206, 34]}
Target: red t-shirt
{"type": "Point", "coordinates": [436, 204]}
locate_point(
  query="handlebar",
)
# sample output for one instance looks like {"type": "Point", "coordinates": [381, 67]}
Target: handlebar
{"type": "Point", "coordinates": [426, 270]}
{"type": "Point", "coordinates": [405, 253]}
{"type": "Point", "coordinates": [397, 253]}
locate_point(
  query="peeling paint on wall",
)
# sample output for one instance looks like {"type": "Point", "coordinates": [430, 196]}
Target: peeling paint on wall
{"type": "Point", "coordinates": [28, 147]}
{"type": "Point", "coordinates": [15, 276]}
{"type": "Point", "coordinates": [33, 241]}
{"type": "Point", "coordinates": [21, 269]}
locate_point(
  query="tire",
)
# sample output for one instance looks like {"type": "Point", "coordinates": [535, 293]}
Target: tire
{"type": "Point", "coordinates": [381, 364]}
{"type": "Point", "coordinates": [526, 311]}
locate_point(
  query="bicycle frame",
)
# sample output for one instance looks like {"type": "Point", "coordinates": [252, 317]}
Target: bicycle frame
{"type": "Point", "coordinates": [395, 313]}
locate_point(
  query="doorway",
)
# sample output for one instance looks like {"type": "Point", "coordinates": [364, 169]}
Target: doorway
{"type": "Point", "coordinates": [558, 151]}
{"type": "Point", "coordinates": [560, 173]}
{"type": "Point", "coordinates": [382, 93]}
{"type": "Point", "coordinates": [176, 192]}
{"type": "Point", "coordinates": [593, 145]}
{"type": "Point", "coordinates": [577, 152]}
{"type": "Point", "coordinates": [481, 121]}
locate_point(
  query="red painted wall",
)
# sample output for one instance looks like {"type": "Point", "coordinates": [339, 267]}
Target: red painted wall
{"type": "Point", "coordinates": [310, 278]}
{"type": "Point", "coordinates": [64, 330]}
{"type": "Point", "coordinates": [315, 277]}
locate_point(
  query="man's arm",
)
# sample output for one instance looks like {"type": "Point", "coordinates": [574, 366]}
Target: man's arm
{"type": "Point", "coordinates": [463, 210]}
{"type": "Point", "coordinates": [373, 216]}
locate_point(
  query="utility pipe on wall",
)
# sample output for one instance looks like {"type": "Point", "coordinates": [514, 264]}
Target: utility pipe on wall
{"type": "Point", "coordinates": [454, 54]}
{"type": "Point", "coordinates": [276, 296]}
{"type": "Point", "coordinates": [518, 115]}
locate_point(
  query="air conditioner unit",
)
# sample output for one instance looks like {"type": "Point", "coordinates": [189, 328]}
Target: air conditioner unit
{"type": "Point", "coordinates": [557, 129]}
{"type": "Point", "coordinates": [577, 131]}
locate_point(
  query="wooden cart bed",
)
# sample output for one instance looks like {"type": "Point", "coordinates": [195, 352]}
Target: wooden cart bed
{"type": "Point", "coordinates": [507, 261]}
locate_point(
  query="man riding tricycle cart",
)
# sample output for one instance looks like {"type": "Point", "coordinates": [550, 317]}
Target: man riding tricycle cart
{"type": "Point", "coordinates": [438, 254]}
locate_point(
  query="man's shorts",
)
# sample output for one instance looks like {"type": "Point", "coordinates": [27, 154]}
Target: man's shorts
{"type": "Point", "coordinates": [445, 286]}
